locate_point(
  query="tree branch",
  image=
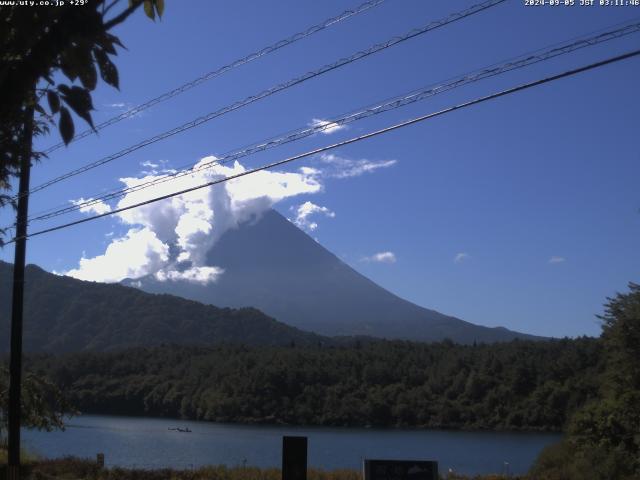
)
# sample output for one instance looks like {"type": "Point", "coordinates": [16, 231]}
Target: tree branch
{"type": "Point", "coordinates": [109, 7]}
{"type": "Point", "coordinates": [123, 16]}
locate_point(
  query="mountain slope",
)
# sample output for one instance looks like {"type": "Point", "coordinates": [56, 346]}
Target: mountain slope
{"type": "Point", "coordinates": [63, 314]}
{"type": "Point", "coordinates": [272, 265]}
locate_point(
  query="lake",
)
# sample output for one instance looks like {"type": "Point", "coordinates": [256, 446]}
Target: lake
{"type": "Point", "coordinates": [148, 443]}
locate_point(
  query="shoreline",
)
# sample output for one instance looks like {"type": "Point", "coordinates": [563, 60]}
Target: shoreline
{"type": "Point", "coordinates": [329, 426]}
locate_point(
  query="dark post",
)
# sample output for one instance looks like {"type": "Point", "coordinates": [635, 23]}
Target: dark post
{"type": "Point", "coordinates": [15, 362]}
{"type": "Point", "coordinates": [294, 458]}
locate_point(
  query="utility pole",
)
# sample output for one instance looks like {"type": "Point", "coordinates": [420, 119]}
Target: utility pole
{"type": "Point", "coordinates": [15, 362]}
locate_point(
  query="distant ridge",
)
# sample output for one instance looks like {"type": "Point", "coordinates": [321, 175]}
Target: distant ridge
{"type": "Point", "coordinates": [274, 266]}
{"type": "Point", "coordinates": [63, 314]}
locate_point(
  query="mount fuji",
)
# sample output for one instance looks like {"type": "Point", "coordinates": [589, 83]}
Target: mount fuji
{"type": "Point", "coordinates": [272, 265]}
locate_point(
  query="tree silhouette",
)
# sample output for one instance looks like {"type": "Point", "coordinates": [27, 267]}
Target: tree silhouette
{"type": "Point", "coordinates": [37, 44]}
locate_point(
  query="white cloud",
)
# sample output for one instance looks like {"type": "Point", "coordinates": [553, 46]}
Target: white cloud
{"type": "Point", "coordinates": [327, 127]}
{"type": "Point", "coordinates": [171, 238]}
{"type": "Point", "coordinates": [154, 168]}
{"type": "Point", "coordinates": [138, 253]}
{"type": "Point", "coordinates": [98, 207]}
{"type": "Point", "coordinates": [461, 257]}
{"type": "Point", "coordinates": [149, 164]}
{"type": "Point", "coordinates": [310, 171]}
{"type": "Point", "coordinates": [305, 210]}
{"type": "Point", "coordinates": [555, 259]}
{"type": "Point", "coordinates": [123, 107]}
{"type": "Point", "coordinates": [193, 274]}
{"type": "Point", "coordinates": [381, 257]}
{"type": "Point", "coordinates": [340, 167]}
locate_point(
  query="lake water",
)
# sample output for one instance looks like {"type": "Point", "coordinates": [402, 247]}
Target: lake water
{"type": "Point", "coordinates": [148, 443]}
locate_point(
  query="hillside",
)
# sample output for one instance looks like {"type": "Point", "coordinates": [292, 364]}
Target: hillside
{"type": "Point", "coordinates": [63, 314]}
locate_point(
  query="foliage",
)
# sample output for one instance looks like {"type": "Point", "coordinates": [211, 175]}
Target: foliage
{"type": "Point", "coordinates": [518, 385]}
{"type": "Point", "coordinates": [44, 405]}
{"type": "Point", "coordinates": [621, 337]}
{"type": "Point", "coordinates": [603, 438]}
{"type": "Point", "coordinates": [41, 44]}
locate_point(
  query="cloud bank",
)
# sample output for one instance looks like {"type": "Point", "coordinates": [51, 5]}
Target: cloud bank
{"type": "Point", "coordinates": [134, 255]}
{"type": "Point", "coordinates": [170, 239]}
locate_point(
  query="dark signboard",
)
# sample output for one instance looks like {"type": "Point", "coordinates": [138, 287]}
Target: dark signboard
{"type": "Point", "coordinates": [400, 470]}
{"type": "Point", "coordinates": [294, 458]}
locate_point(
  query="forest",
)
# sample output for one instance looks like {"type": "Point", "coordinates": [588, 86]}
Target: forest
{"type": "Point", "coordinates": [522, 385]}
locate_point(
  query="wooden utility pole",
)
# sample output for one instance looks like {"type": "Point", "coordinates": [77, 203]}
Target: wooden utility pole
{"type": "Point", "coordinates": [15, 362]}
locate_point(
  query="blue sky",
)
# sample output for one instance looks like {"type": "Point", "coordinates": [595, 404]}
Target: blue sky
{"type": "Point", "coordinates": [522, 212]}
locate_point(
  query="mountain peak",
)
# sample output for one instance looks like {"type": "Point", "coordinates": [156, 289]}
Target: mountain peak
{"type": "Point", "coordinates": [271, 264]}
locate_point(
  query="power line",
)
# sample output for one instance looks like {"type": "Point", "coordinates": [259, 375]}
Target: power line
{"type": "Point", "coordinates": [224, 69]}
{"type": "Point", "coordinates": [283, 86]}
{"type": "Point", "coordinates": [518, 62]}
{"type": "Point", "coordinates": [391, 104]}
{"type": "Point", "coordinates": [397, 126]}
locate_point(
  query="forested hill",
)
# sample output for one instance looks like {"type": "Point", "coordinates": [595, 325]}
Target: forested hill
{"type": "Point", "coordinates": [63, 314]}
{"type": "Point", "coordinates": [516, 385]}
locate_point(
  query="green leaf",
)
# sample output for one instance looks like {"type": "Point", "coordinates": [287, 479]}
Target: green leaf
{"type": "Point", "coordinates": [73, 60]}
{"type": "Point", "coordinates": [83, 64]}
{"type": "Point", "coordinates": [159, 7]}
{"type": "Point", "coordinates": [114, 40]}
{"type": "Point", "coordinates": [107, 45]}
{"type": "Point", "coordinates": [54, 101]}
{"type": "Point", "coordinates": [38, 108]}
{"type": "Point", "coordinates": [108, 70]}
{"type": "Point", "coordinates": [79, 99]}
{"type": "Point", "coordinates": [64, 89]}
{"type": "Point", "coordinates": [66, 125]}
{"type": "Point", "coordinates": [148, 9]}
{"type": "Point", "coordinates": [68, 66]}
{"type": "Point", "coordinates": [89, 76]}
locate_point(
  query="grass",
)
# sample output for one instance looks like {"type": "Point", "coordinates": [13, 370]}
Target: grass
{"type": "Point", "coordinates": [78, 469]}
{"type": "Point", "coordinates": [27, 457]}
{"type": "Point", "coordinates": [71, 468]}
